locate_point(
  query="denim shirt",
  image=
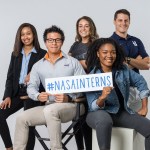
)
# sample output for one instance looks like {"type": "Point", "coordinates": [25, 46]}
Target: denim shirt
{"type": "Point", "coordinates": [124, 78]}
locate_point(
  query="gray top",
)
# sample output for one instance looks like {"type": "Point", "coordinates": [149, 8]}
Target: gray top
{"type": "Point", "coordinates": [79, 50]}
{"type": "Point", "coordinates": [64, 66]}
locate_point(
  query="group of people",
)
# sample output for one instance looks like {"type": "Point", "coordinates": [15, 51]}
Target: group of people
{"type": "Point", "coordinates": [121, 54]}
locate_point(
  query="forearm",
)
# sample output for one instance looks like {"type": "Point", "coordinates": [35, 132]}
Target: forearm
{"type": "Point", "coordinates": [144, 103]}
{"type": "Point", "coordinates": [142, 64]}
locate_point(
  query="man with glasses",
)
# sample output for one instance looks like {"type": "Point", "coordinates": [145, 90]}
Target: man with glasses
{"type": "Point", "coordinates": [58, 109]}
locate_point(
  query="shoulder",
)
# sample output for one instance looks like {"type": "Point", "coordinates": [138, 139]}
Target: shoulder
{"type": "Point", "coordinates": [73, 46]}
{"type": "Point", "coordinates": [42, 51]}
{"type": "Point", "coordinates": [71, 59]}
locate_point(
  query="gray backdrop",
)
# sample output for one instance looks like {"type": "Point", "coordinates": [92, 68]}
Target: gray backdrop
{"type": "Point", "coordinates": [64, 13]}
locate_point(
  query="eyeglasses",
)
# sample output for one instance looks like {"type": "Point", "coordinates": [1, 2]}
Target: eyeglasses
{"type": "Point", "coordinates": [58, 40]}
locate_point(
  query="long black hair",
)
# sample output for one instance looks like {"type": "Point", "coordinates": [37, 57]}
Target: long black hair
{"type": "Point", "coordinates": [18, 43]}
{"type": "Point", "coordinates": [92, 60]}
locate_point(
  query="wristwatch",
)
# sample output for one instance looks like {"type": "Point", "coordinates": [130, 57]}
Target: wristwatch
{"type": "Point", "coordinates": [128, 59]}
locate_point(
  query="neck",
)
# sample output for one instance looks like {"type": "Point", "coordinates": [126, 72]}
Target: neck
{"type": "Point", "coordinates": [85, 40]}
{"type": "Point", "coordinates": [122, 34]}
{"type": "Point", "coordinates": [27, 49]}
{"type": "Point", "coordinates": [53, 56]}
{"type": "Point", "coordinates": [107, 69]}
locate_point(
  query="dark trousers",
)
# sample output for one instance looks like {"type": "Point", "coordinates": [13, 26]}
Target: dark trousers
{"type": "Point", "coordinates": [16, 104]}
{"type": "Point", "coordinates": [84, 134]}
{"type": "Point", "coordinates": [103, 122]}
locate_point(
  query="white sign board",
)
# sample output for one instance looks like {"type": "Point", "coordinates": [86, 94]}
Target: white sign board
{"type": "Point", "coordinates": [82, 83]}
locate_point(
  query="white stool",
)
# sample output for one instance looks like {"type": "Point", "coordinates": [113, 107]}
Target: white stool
{"type": "Point", "coordinates": [122, 139]}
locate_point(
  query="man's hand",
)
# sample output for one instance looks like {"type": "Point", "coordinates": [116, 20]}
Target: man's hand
{"type": "Point", "coordinates": [139, 63]}
{"type": "Point", "coordinates": [61, 98]}
{"type": "Point", "coordinates": [43, 96]}
{"type": "Point", "coordinates": [6, 103]}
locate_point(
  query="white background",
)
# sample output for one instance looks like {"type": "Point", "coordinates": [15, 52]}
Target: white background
{"type": "Point", "coordinates": [64, 13]}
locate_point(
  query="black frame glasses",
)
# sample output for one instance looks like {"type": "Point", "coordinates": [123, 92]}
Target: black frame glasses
{"type": "Point", "coordinates": [57, 40]}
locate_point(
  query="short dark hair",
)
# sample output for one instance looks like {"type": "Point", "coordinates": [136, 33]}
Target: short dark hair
{"type": "Point", "coordinates": [55, 29]}
{"type": "Point", "coordinates": [92, 60]}
{"type": "Point", "coordinates": [121, 11]}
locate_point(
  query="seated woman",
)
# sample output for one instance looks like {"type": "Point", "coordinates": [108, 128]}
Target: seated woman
{"type": "Point", "coordinates": [108, 108]}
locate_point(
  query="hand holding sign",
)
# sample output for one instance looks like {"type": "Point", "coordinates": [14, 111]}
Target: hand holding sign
{"type": "Point", "coordinates": [43, 96]}
{"type": "Point", "coordinates": [106, 91]}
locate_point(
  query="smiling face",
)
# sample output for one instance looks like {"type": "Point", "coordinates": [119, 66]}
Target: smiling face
{"type": "Point", "coordinates": [122, 23]}
{"type": "Point", "coordinates": [84, 29]}
{"type": "Point", "coordinates": [107, 56]}
{"type": "Point", "coordinates": [27, 36]}
{"type": "Point", "coordinates": [53, 43]}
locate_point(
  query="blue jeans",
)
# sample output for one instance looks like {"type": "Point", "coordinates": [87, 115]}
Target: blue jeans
{"type": "Point", "coordinates": [103, 122]}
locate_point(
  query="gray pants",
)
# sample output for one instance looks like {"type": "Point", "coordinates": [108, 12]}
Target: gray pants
{"type": "Point", "coordinates": [52, 115]}
{"type": "Point", "coordinates": [103, 122]}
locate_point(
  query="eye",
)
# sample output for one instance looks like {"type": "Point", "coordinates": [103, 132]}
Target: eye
{"type": "Point", "coordinates": [58, 40]}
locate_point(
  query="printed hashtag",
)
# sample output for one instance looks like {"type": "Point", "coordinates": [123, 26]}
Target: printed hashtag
{"type": "Point", "coordinates": [50, 86]}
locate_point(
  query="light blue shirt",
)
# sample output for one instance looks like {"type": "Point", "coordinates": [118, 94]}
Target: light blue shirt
{"type": "Point", "coordinates": [24, 67]}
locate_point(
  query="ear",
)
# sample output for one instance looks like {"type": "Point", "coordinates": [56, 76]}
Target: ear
{"type": "Point", "coordinates": [114, 22]}
{"type": "Point", "coordinates": [97, 54]}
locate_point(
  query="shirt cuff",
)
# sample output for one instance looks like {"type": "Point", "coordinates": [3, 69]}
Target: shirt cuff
{"type": "Point", "coordinates": [95, 106]}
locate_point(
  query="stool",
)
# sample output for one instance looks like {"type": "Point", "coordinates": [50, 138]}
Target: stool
{"type": "Point", "coordinates": [122, 139]}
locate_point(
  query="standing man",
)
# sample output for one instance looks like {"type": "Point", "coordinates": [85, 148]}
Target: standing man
{"type": "Point", "coordinates": [54, 64]}
{"type": "Point", "coordinates": [136, 56]}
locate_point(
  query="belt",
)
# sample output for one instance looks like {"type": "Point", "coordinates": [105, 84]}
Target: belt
{"type": "Point", "coordinates": [22, 86]}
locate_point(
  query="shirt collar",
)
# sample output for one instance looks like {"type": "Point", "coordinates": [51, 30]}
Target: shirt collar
{"type": "Point", "coordinates": [32, 51]}
{"type": "Point", "coordinates": [116, 36]}
{"type": "Point", "coordinates": [62, 54]}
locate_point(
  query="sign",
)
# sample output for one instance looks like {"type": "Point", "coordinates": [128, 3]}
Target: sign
{"type": "Point", "coordinates": [81, 83]}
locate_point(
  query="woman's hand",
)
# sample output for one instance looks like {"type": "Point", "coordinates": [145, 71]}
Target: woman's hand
{"type": "Point", "coordinates": [6, 103]}
{"type": "Point", "coordinates": [143, 112]}
{"type": "Point", "coordinates": [106, 91]}
{"type": "Point", "coordinates": [27, 78]}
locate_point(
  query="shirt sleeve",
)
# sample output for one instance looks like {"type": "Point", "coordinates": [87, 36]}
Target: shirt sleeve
{"type": "Point", "coordinates": [142, 50]}
{"type": "Point", "coordinates": [95, 106]}
{"type": "Point", "coordinates": [34, 83]}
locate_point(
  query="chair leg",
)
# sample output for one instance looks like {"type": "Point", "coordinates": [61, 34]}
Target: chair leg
{"type": "Point", "coordinates": [41, 141]}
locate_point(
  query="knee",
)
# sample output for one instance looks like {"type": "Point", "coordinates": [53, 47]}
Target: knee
{"type": "Point", "coordinates": [104, 123]}
{"type": "Point", "coordinates": [22, 120]}
{"type": "Point", "coordinates": [50, 112]}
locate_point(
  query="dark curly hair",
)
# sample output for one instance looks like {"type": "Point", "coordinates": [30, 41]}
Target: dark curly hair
{"type": "Point", "coordinates": [92, 60]}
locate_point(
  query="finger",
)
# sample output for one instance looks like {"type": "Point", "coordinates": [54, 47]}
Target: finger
{"type": "Point", "coordinates": [9, 104]}
{"type": "Point", "coordinates": [1, 106]}
{"type": "Point", "coordinates": [5, 106]}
